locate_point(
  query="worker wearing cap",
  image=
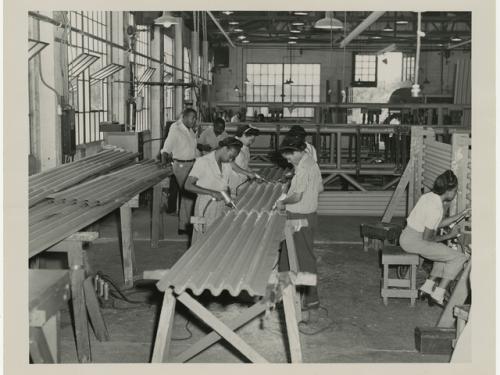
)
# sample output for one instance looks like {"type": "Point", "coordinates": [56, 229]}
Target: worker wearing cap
{"type": "Point", "coordinates": [301, 202]}
{"type": "Point", "coordinates": [209, 176]}
{"type": "Point", "coordinates": [246, 135]}
{"type": "Point", "coordinates": [299, 132]}
{"type": "Point", "coordinates": [180, 147]}
{"type": "Point", "coordinates": [211, 136]}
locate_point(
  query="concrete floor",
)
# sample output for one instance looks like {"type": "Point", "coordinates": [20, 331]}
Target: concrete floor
{"type": "Point", "coordinates": [358, 327]}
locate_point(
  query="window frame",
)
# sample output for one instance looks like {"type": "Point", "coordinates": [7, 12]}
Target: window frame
{"type": "Point", "coordinates": [354, 82]}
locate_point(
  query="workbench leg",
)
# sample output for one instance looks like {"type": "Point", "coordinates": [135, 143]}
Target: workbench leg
{"type": "Point", "coordinates": [127, 245]}
{"type": "Point", "coordinates": [210, 339]}
{"type": "Point", "coordinates": [298, 305]}
{"type": "Point", "coordinates": [39, 348]}
{"type": "Point", "coordinates": [292, 326]}
{"type": "Point", "coordinates": [164, 330]}
{"type": "Point", "coordinates": [95, 314]}
{"type": "Point", "coordinates": [458, 297]}
{"type": "Point", "coordinates": [77, 276]}
{"type": "Point", "coordinates": [155, 216]}
{"type": "Point", "coordinates": [207, 317]}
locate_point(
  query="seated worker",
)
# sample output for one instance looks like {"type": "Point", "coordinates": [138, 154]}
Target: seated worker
{"type": "Point", "coordinates": [420, 235]}
{"type": "Point", "coordinates": [300, 132]}
{"type": "Point", "coordinates": [209, 139]}
{"type": "Point", "coordinates": [301, 202]}
{"type": "Point", "coordinates": [208, 177]}
{"type": "Point", "coordinates": [246, 134]}
{"type": "Point", "coordinates": [236, 117]}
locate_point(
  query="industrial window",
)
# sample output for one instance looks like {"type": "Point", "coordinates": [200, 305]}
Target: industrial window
{"type": "Point", "coordinates": [87, 53]}
{"type": "Point", "coordinates": [169, 91]}
{"type": "Point", "coordinates": [365, 70]}
{"type": "Point", "coordinates": [268, 83]}
{"type": "Point", "coordinates": [141, 66]}
{"type": "Point", "coordinates": [408, 71]}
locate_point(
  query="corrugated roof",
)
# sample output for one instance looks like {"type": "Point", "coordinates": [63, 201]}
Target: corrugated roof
{"type": "Point", "coordinates": [66, 175]}
{"type": "Point", "coordinates": [237, 254]}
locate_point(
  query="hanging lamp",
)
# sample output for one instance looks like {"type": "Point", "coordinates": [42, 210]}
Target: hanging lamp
{"type": "Point", "coordinates": [329, 23]}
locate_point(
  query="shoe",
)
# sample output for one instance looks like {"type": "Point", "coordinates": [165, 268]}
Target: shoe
{"type": "Point", "coordinates": [437, 296]}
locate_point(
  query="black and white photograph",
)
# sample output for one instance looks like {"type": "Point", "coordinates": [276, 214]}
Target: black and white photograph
{"type": "Point", "coordinates": [249, 186]}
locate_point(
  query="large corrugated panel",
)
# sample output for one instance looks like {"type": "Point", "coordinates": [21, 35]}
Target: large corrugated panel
{"type": "Point", "coordinates": [237, 254]}
{"type": "Point", "coordinates": [66, 175]}
{"type": "Point", "coordinates": [436, 159]}
{"type": "Point", "coordinates": [51, 222]}
{"type": "Point", "coordinates": [468, 194]}
{"type": "Point", "coordinates": [259, 196]}
{"type": "Point", "coordinates": [273, 174]}
{"type": "Point", "coordinates": [358, 203]}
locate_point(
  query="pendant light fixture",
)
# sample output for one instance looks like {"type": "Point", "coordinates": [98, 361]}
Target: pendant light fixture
{"type": "Point", "coordinates": [329, 23]}
{"type": "Point", "coordinates": [166, 20]}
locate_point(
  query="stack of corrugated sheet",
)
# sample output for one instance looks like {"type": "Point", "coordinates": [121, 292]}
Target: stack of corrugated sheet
{"type": "Point", "coordinates": [111, 186]}
{"type": "Point", "coordinates": [43, 184]}
{"type": "Point", "coordinates": [237, 254]}
{"type": "Point", "coordinates": [51, 222]}
{"type": "Point", "coordinates": [436, 160]}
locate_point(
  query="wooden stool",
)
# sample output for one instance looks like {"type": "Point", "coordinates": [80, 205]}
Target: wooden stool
{"type": "Point", "coordinates": [460, 312]}
{"type": "Point", "coordinates": [48, 293]}
{"type": "Point", "coordinates": [375, 235]}
{"type": "Point", "coordinates": [399, 288]}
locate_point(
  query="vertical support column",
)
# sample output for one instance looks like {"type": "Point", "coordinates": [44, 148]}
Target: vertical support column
{"type": "Point", "coordinates": [164, 331]}
{"type": "Point", "coordinates": [50, 65]}
{"type": "Point", "coordinates": [179, 58]}
{"type": "Point", "coordinates": [459, 161]}
{"type": "Point", "coordinates": [127, 244]}
{"type": "Point", "coordinates": [125, 74]}
{"type": "Point", "coordinates": [205, 59]}
{"type": "Point", "coordinates": [338, 136]}
{"type": "Point", "coordinates": [119, 90]}
{"type": "Point", "coordinates": [195, 53]}
{"type": "Point", "coordinates": [416, 157]}
{"type": "Point", "coordinates": [155, 219]}
{"type": "Point", "coordinates": [157, 95]}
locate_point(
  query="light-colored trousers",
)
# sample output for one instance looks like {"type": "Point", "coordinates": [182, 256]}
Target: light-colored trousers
{"type": "Point", "coordinates": [181, 171]}
{"type": "Point", "coordinates": [447, 262]}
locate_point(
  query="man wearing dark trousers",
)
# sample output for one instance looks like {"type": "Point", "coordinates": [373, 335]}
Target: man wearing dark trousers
{"type": "Point", "coordinates": [180, 149]}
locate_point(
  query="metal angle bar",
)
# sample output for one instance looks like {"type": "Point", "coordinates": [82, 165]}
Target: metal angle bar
{"type": "Point", "coordinates": [107, 71]}
{"type": "Point", "coordinates": [80, 63]}
{"type": "Point", "coordinates": [35, 47]}
{"type": "Point", "coordinates": [221, 29]}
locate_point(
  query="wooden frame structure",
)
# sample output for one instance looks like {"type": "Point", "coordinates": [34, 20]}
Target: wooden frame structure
{"type": "Point", "coordinates": [285, 284]}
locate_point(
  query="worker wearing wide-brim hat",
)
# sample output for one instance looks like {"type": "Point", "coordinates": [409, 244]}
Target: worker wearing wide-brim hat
{"type": "Point", "coordinates": [301, 202]}
{"type": "Point", "coordinates": [246, 135]}
{"type": "Point", "coordinates": [208, 178]}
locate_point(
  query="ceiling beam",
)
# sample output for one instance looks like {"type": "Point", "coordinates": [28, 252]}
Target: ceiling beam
{"type": "Point", "coordinates": [361, 27]}
{"type": "Point", "coordinates": [220, 28]}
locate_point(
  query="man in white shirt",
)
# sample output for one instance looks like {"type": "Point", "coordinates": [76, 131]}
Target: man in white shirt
{"type": "Point", "coordinates": [180, 149]}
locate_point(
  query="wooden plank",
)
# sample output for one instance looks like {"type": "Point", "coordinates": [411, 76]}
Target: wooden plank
{"type": "Point", "coordinates": [128, 253]}
{"type": "Point", "coordinates": [459, 165]}
{"type": "Point", "coordinates": [206, 316]}
{"type": "Point", "coordinates": [210, 339]}
{"type": "Point", "coordinates": [77, 276]}
{"type": "Point", "coordinates": [155, 216]}
{"type": "Point", "coordinates": [164, 330]}
{"type": "Point", "coordinates": [83, 236]}
{"type": "Point", "coordinates": [290, 245]}
{"type": "Point", "coordinates": [95, 314]}
{"type": "Point", "coordinates": [154, 274]}
{"type": "Point", "coordinates": [51, 333]}
{"type": "Point", "coordinates": [458, 297]}
{"type": "Point", "coordinates": [398, 193]}
{"type": "Point", "coordinates": [292, 324]}
{"type": "Point", "coordinates": [39, 348]}
{"type": "Point", "coordinates": [352, 181]}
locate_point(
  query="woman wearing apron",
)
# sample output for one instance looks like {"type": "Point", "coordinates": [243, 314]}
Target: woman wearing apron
{"type": "Point", "coordinates": [301, 202]}
{"type": "Point", "coordinates": [208, 177]}
{"type": "Point", "coordinates": [421, 235]}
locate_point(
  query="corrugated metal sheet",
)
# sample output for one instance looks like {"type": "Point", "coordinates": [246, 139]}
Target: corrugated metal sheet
{"type": "Point", "coordinates": [66, 175]}
{"type": "Point", "coordinates": [259, 196]}
{"type": "Point", "coordinates": [111, 186]}
{"type": "Point", "coordinates": [436, 159]}
{"type": "Point", "coordinates": [358, 203]}
{"type": "Point", "coordinates": [51, 222]}
{"type": "Point", "coordinates": [237, 254]}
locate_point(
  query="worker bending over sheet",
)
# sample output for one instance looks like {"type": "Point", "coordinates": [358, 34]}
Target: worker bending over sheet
{"type": "Point", "coordinates": [301, 202]}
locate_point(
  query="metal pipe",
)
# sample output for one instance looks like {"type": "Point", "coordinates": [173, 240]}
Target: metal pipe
{"type": "Point", "coordinates": [361, 27]}
{"type": "Point", "coordinates": [459, 44]}
{"type": "Point", "coordinates": [220, 28]}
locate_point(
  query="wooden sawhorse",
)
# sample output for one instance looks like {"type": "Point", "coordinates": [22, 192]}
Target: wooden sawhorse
{"type": "Point", "coordinates": [83, 297]}
{"type": "Point", "coordinates": [285, 284]}
{"type": "Point", "coordinates": [48, 293]}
